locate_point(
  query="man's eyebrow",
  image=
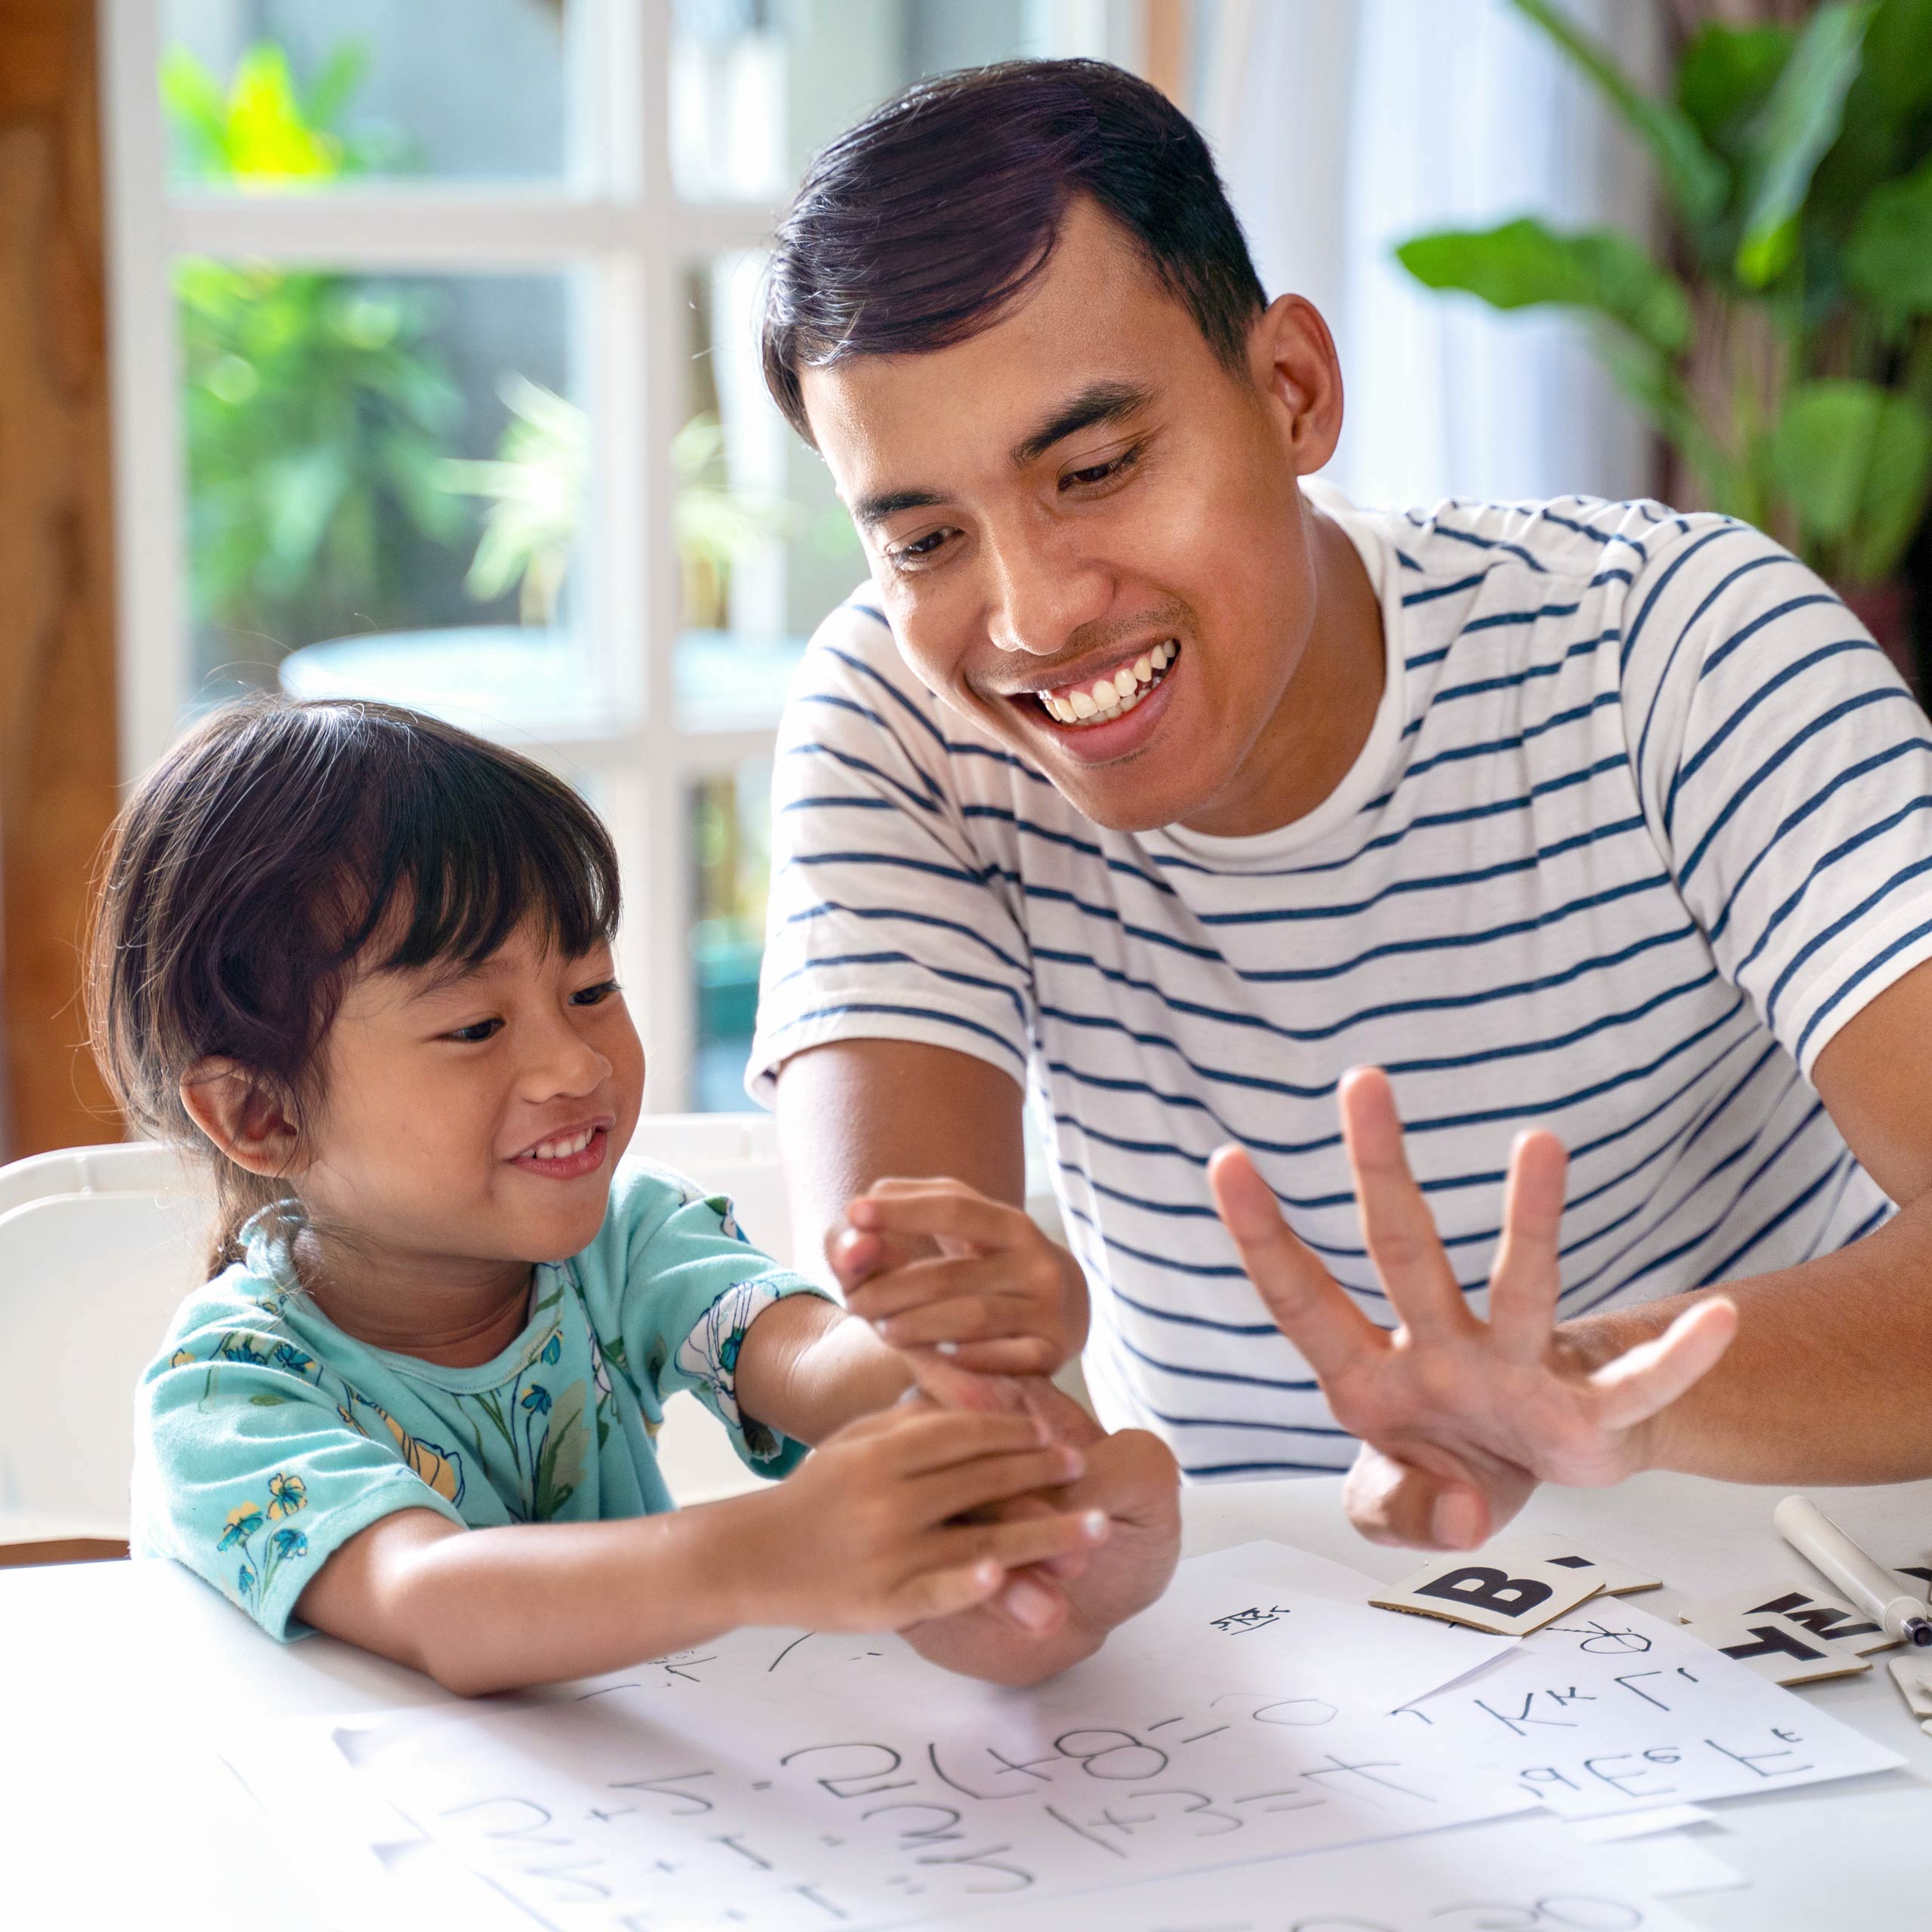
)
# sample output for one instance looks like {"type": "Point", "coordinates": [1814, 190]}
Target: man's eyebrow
{"type": "Point", "coordinates": [869, 510]}
{"type": "Point", "coordinates": [1101, 402]}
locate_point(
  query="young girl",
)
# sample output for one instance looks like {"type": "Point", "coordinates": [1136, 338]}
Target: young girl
{"type": "Point", "coordinates": [363, 961]}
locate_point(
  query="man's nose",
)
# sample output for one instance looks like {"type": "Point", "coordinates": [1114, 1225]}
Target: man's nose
{"type": "Point", "coordinates": [1045, 588]}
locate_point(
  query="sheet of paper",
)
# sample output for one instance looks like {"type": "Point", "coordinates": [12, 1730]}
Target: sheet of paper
{"type": "Point", "coordinates": [1529, 1875]}
{"type": "Point", "coordinates": [801, 1782]}
{"type": "Point", "coordinates": [1612, 1709]}
{"type": "Point", "coordinates": [1639, 1824]}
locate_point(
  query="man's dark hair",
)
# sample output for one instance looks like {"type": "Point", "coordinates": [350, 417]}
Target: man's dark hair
{"type": "Point", "coordinates": [922, 225]}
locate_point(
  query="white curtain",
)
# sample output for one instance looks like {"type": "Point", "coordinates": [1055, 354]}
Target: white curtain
{"type": "Point", "coordinates": [1343, 127]}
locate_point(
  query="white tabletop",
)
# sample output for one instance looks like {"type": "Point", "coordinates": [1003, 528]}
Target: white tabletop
{"type": "Point", "coordinates": [114, 1678]}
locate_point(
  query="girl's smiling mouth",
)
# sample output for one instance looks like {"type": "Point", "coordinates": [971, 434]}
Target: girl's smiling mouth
{"type": "Point", "coordinates": [569, 1155]}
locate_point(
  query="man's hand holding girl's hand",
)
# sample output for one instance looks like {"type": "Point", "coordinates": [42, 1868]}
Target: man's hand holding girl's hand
{"type": "Point", "coordinates": [997, 1298]}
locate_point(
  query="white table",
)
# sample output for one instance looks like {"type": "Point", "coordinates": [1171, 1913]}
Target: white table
{"type": "Point", "coordinates": [113, 1677]}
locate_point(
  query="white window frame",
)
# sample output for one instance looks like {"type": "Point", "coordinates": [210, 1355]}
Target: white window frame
{"type": "Point", "coordinates": [615, 220]}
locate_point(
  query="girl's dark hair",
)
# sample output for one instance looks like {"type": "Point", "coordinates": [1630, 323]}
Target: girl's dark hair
{"type": "Point", "coordinates": [922, 225]}
{"type": "Point", "coordinates": [280, 844]}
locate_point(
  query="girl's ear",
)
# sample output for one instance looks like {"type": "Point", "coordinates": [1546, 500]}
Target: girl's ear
{"type": "Point", "coordinates": [241, 1115]}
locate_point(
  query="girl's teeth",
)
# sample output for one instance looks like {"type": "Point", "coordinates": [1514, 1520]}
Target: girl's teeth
{"type": "Point", "coordinates": [559, 1150]}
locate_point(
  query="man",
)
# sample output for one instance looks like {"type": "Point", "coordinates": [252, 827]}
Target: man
{"type": "Point", "coordinates": [1147, 774]}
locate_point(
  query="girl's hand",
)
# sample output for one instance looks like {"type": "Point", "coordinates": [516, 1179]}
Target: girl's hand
{"type": "Point", "coordinates": [997, 1299]}
{"type": "Point", "coordinates": [864, 1535]}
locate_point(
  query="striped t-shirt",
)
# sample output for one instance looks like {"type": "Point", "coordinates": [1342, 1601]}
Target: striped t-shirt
{"type": "Point", "coordinates": [1641, 822]}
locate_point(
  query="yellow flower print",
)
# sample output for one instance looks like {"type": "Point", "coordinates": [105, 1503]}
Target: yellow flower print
{"type": "Point", "coordinates": [437, 1467]}
{"type": "Point", "coordinates": [181, 1358]}
{"type": "Point", "coordinates": [287, 1494]}
{"type": "Point", "coordinates": [243, 1522]}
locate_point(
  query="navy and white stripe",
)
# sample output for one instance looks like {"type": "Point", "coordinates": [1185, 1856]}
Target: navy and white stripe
{"type": "Point", "coordinates": [1644, 818]}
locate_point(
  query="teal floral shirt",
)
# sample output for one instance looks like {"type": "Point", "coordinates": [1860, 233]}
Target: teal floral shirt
{"type": "Point", "coordinates": [266, 1437]}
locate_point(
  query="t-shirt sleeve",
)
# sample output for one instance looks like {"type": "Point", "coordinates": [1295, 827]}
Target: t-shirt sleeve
{"type": "Point", "coordinates": [885, 920]}
{"type": "Point", "coordinates": [687, 1287]}
{"type": "Point", "coordinates": [1785, 773]}
{"type": "Point", "coordinates": [248, 1473]}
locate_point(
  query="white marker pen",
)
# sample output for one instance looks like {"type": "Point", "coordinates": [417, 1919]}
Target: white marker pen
{"type": "Point", "coordinates": [1874, 1588]}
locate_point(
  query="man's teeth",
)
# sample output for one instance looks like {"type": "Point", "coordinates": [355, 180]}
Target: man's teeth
{"type": "Point", "coordinates": [559, 1150]}
{"type": "Point", "coordinates": [1111, 697]}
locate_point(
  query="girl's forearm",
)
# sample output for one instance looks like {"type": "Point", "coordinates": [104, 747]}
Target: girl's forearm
{"type": "Point", "coordinates": [807, 1368]}
{"type": "Point", "coordinates": [483, 1610]}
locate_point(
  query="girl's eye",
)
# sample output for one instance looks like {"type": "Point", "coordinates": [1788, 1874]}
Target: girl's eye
{"type": "Point", "coordinates": [595, 995]}
{"type": "Point", "coordinates": [477, 1032]}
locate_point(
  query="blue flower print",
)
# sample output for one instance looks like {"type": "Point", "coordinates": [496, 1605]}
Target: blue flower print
{"type": "Point", "coordinates": [538, 1397]}
{"type": "Point", "coordinates": [552, 1351]}
{"type": "Point", "coordinates": [287, 1357]}
{"type": "Point", "coordinates": [288, 1493]}
{"type": "Point", "coordinates": [242, 1523]}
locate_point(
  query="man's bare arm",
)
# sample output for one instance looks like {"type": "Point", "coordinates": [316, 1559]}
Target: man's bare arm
{"type": "Point", "coordinates": [855, 1111]}
{"type": "Point", "coordinates": [1829, 1379]}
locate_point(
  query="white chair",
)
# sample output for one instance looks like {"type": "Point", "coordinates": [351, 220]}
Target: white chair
{"type": "Point", "coordinates": [98, 1245]}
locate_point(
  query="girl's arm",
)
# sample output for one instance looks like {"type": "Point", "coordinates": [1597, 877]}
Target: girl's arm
{"type": "Point", "coordinates": [860, 1538]}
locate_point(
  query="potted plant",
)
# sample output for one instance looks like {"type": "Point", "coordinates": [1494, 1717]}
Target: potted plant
{"type": "Point", "coordinates": [1783, 342]}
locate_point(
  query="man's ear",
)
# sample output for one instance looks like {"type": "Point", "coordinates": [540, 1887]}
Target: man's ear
{"type": "Point", "coordinates": [1292, 358]}
{"type": "Point", "coordinates": [242, 1116]}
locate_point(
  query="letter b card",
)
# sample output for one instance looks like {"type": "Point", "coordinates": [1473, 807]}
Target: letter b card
{"type": "Point", "coordinates": [1508, 1601]}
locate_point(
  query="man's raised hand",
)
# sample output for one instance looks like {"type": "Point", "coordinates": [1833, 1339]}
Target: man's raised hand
{"type": "Point", "coordinates": [1460, 1418]}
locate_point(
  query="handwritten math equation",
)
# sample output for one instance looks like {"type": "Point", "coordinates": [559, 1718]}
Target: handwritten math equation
{"type": "Point", "coordinates": [683, 1796]}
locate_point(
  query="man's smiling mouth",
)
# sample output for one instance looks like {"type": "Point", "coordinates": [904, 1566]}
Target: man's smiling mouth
{"type": "Point", "coordinates": [1103, 700]}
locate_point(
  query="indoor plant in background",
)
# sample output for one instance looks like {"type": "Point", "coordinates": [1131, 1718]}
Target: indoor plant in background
{"type": "Point", "coordinates": [317, 405]}
{"type": "Point", "coordinates": [1783, 342]}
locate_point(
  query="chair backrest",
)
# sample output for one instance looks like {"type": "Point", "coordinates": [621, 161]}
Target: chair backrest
{"type": "Point", "coordinates": [731, 1154]}
{"type": "Point", "coordinates": [88, 1284]}
{"type": "Point", "coordinates": [99, 1245]}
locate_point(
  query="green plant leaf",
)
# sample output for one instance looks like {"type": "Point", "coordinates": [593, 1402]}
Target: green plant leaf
{"type": "Point", "coordinates": [1726, 75]}
{"type": "Point", "coordinates": [1799, 121]}
{"type": "Point", "coordinates": [1888, 258]}
{"type": "Point", "coordinates": [1523, 263]}
{"type": "Point", "coordinates": [1697, 181]}
{"type": "Point", "coordinates": [1854, 461]}
{"type": "Point", "coordinates": [1883, 133]}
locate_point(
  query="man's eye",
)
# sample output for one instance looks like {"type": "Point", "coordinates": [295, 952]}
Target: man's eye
{"type": "Point", "coordinates": [595, 995]}
{"type": "Point", "coordinates": [1099, 472]}
{"type": "Point", "coordinates": [921, 546]}
{"type": "Point", "coordinates": [474, 1034]}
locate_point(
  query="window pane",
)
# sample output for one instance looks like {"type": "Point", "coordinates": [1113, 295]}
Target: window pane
{"type": "Point", "coordinates": [285, 93]}
{"type": "Point", "coordinates": [766, 549]}
{"type": "Point", "coordinates": [758, 86]}
{"type": "Point", "coordinates": [730, 822]}
{"type": "Point", "coordinates": [385, 477]}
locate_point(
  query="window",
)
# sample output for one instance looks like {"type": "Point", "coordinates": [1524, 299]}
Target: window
{"type": "Point", "coordinates": [436, 381]}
